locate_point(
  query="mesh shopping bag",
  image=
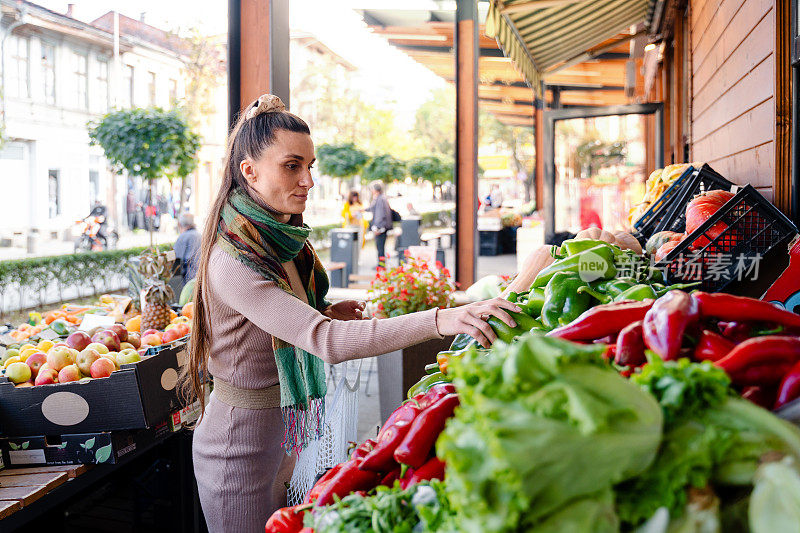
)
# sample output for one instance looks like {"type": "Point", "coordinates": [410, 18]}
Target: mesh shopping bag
{"type": "Point", "coordinates": [340, 429]}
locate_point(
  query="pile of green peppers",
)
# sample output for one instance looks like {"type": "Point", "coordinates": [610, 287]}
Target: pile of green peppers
{"type": "Point", "coordinates": [559, 295]}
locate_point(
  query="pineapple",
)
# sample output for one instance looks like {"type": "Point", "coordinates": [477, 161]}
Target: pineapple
{"type": "Point", "coordinates": [155, 268]}
{"type": "Point", "coordinates": [155, 298]}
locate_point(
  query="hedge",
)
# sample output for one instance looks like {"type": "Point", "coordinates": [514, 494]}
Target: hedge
{"type": "Point", "coordinates": [34, 275]}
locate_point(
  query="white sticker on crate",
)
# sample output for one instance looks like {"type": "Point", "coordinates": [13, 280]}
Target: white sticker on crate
{"type": "Point", "coordinates": [26, 457]}
{"type": "Point", "coordinates": [169, 379]}
{"type": "Point", "coordinates": [65, 408]}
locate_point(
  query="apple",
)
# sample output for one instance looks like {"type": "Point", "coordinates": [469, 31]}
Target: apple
{"type": "Point", "coordinates": [101, 348]}
{"type": "Point", "coordinates": [58, 358]}
{"type": "Point", "coordinates": [126, 346]}
{"type": "Point", "coordinates": [103, 367]}
{"type": "Point", "coordinates": [171, 335]}
{"type": "Point", "coordinates": [184, 329]}
{"type": "Point", "coordinates": [112, 357]}
{"type": "Point", "coordinates": [11, 352]}
{"type": "Point", "coordinates": [26, 384]}
{"type": "Point", "coordinates": [128, 356]}
{"type": "Point", "coordinates": [36, 361]}
{"type": "Point", "coordinates": [85, 360]}
{"type": "Point", "coordinates": [69, 373]}
{"type": "Point", "coordinates": [79, 340]}
{"type": "Point", "coordinates": [152, 339]}
{"type": "Point", "coordinates": [135, 339]}
{"type": "Point", "coordinates": [61, 344]}
{"type": "Point", "coordinates": [46, 376]}
{"type": "Point", "coordinates": [18, 372]}
{"type": "Point", "coordinates": [109, 338]}
{"type": "Point", "coordinates": [120, 330]}
{"type": "Point", "coordinates": [151, 331]}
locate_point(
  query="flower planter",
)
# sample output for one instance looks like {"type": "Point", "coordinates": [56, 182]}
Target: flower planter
{"type": "Point", "coordinates": [399, 370]}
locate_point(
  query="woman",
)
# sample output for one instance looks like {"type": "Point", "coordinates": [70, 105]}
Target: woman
{"type": "Point", "coordinates": [260, 314]}
{"type": "Point", "coordinates": [353, 215]}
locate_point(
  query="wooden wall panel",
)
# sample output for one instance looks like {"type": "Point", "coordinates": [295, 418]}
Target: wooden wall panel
{"type": "Point", "coordinates": [733, 88]}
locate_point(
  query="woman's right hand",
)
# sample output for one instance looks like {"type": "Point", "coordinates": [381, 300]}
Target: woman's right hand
{"type": "Point", "coordinates": [471, 319]}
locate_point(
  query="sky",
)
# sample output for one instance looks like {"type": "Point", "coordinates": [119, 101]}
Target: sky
{"type": "Point", "coordinates": [394, 79]}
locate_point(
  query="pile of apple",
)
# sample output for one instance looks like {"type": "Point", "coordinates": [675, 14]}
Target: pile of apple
{"type": "Point", "coordinates": [79, 356]}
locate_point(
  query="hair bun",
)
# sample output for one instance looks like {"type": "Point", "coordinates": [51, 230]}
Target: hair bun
{"type": "Point", "coordinates": [266, 103]}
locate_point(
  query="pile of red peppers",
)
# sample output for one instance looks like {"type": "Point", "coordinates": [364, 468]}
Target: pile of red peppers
{"type": "Point", "coordinates": [403, 451]}
{"type": "Point", "coordinates": [755, 342]}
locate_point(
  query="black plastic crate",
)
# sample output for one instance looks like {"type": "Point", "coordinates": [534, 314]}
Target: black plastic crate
{"type": "Point", "coordinates": [704, 180]}
{"type": "Point", "coordinates": [753, 228]}
{"type": "Point", "coordinates": [645, 225]}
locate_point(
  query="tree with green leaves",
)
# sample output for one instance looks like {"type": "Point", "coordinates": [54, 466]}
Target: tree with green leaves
{"type": "Point", "coordinates": [385, 168]}
{"type": "Point", "coordinates": [516, 140]}
{"type": "Point", "coordinates": [150, 143]}
{"type": "Point", "coordinates": [431, 168]}
{"type": "Point", "coordinates": [341, 160]}
{"type": "Point", "coordinates": [435, 122]}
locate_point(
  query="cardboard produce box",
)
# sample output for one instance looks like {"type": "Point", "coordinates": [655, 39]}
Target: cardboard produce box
{"type": "Point", "coordinates": [105, 447]}
{"type": "Point", "coordinates": [138, 395]}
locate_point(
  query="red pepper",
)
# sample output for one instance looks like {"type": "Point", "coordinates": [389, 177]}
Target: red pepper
{"type": "Point", "coordinates": [712, 346]}
{"type": "Point", "coordinates": [630, 345]}
{"type": "Point", "coordinates": [664, 324]}
{"type": "Point", "coordinates": [381, 458]}
{"type": "Point", "coordinates": [436, 393]}
{"type": "Point", "coordinates": [286, 520]}
{"type": "Point", "coordinates": [432, 469]}
{"type": "Point", "coordinates": [389, 479]}
{"type": "Point", "coordinates": [789, 388]}
{"type": "Point", "coordinates": [307, 530]}
{"type": "Point", "coordinates": [772, 350]}
{"type": "Point", "coordinates": [349, 479]}
{"type": "Point", "coordinates": [321, 483]}
{"type": "Point", "coordinates": [403, 411]}
{"type": "Point", "coordinates": [742, 309]}
{"type": "Point", "coordinates": [761, 375]}
{"type": "Point", "coordinates": [362, 451]}
{"type": "Point", "coordinates": [603, 320]}
{"type": "Point", "coordinates": [424, 431]}
{"type": "Point", "coordinates": [763, 396]}
{"type": "Point", "coordinates": [736, 331]}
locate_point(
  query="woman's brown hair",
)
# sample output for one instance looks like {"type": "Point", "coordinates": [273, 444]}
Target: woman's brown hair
{"type": "Point", "coordinates": [247, 139]}
{"type": "Point", "coordinates": [353, 197]}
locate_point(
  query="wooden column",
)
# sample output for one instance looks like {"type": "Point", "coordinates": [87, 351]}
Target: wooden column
{"type": "Point", "coordinates": [466, 52]}
{"type": "Point", "coordinates": [782, 182]}
{"type": "Point", "coordinates": [258, 52]}
{"type": "Point", "coordinates": [679, 105]}
{"type": "Point", "coordinates": [538, 124]}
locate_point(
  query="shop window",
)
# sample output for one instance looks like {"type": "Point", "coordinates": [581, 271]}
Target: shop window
{"type": "Point", "coordinates": [80, 67]}
{"type": "Point", "coordinates": [49, 73]}
{"type": "Point", "coordinates": [18, 78]}
{"type": "Point", "coordinates": [53, 193]}
{"type": "Point", "coordinates": [102, 84]}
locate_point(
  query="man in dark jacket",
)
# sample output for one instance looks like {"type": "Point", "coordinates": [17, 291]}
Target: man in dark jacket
{"type": "Point", "coordinates": [381, 219]}
{"type": "Point", "coordinates": [187, 247]}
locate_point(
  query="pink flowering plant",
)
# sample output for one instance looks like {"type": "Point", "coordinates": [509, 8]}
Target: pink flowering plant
{"type": "Point", "coordinates": [412, 286]}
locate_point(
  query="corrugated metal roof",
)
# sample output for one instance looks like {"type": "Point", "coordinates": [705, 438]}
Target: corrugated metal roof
{"type": "Point", "coordinates": [539, 34]}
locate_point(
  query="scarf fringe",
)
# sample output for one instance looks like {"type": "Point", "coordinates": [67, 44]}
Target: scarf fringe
{"type": "Point", "coordinates": [302, 425]}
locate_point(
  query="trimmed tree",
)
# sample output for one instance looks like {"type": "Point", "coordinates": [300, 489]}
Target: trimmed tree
{"type": "Point", "coordinates": [431, 168]}
{"type": "Point", "coordinates": [385, 168]}
{"type": "Point", "coordinates": [341, 160]}
{"type": "Point", "coordinates": [150, 143]}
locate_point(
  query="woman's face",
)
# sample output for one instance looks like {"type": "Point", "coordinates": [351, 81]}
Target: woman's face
{"type": "Point", "coordinates": [281, 176]}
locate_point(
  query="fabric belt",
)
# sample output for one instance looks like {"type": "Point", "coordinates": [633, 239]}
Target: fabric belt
{"type": "Point", "coordinates": [269, 398]}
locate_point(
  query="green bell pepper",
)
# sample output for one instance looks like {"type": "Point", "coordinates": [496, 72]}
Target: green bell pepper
{"type": "Point", "coordinates": [462, 341]}
{"type": "Point", "coordinates": [597, 261]}
{"type": "Point", "coordinates": [506, 333]}
{"type": "Point", "coordinates": [433, 367]}
{"type": "Point", "coordinates": [661, 291]}
{"type": "Point", "coordinates": [576, 246]}
{"type": "Point", "coordinates": [533, 305]}
{"type": "Point", "coordinates": [614, 287]}
{"type": "Point", "coordinates": [426, 383]}
{"type": "Point", "coordinates": [638, 292]}
{"type": "Point", "coordinates": [563, 301]}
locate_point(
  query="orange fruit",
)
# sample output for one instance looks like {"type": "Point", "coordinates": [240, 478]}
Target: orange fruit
{"type": "Point", "coordinates": [188, 310]}
{"type": "Point", "coordinates": [134, 323]}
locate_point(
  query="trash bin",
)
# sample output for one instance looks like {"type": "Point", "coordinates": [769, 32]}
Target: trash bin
{"type": "Point", "coordinates": [409, 227]}
{"type": "Point", "coordinates": [344, 248]}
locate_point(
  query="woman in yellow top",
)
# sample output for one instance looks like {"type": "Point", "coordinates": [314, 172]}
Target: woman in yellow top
{"type": "Point", "coordinates": [353, 214]}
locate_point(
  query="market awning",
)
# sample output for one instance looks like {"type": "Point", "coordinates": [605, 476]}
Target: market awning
{"type": "Point", "coordinates": [543, 36]}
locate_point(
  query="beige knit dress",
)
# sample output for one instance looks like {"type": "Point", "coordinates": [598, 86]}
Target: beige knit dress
{"type": "Point", "coordinates": [239, 463]}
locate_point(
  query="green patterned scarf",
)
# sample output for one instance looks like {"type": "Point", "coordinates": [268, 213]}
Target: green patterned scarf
{"type": "Point", "coordinates": [251, 235]}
